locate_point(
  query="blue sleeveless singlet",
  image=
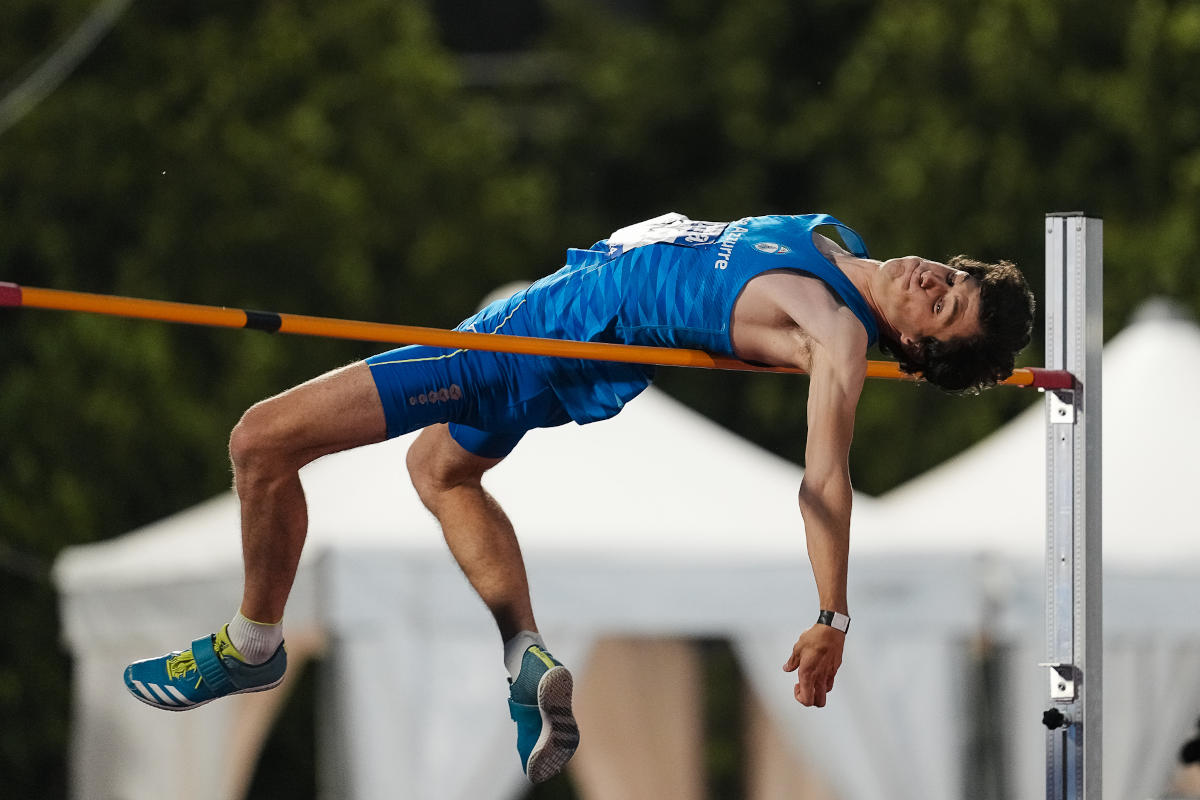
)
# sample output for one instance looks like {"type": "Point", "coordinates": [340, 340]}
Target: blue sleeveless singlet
{"type": "Point", "coordinates": [668, 281]}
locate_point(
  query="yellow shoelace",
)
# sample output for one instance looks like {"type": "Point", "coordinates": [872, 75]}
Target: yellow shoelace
{"type": "Point", "coordinates": [180, 665]}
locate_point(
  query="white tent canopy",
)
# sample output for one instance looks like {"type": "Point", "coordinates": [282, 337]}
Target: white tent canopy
{"type": "Point", "coordinates": [658, 523]}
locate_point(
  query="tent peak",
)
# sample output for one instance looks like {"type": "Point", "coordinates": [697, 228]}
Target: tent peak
{"type": "Point", "coordinates": [1160, 307]}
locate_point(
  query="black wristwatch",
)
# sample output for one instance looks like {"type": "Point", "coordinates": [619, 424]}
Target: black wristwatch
{"type": "Point", "coordinates": [834, 620]}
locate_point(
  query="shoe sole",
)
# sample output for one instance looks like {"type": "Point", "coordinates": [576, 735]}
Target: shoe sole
{"type": "Point", "coordinates": [138, 696]}
{"type": "Point", "coordinates": [560, 735]}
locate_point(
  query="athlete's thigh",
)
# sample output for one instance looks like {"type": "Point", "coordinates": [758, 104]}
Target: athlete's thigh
{"type": "Point", "coordinates": [421, 386]}
{"type": "Point", "coordinates": [498, 393]}
{"type": "Point", "coordinates": [335, 411]}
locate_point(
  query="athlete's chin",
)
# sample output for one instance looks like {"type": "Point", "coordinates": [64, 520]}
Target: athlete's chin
{"type": "Point", "coordinates": [897, 268]}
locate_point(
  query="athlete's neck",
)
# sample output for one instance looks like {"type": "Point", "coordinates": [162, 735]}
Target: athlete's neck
{"type": "Point", "coordinates": [862, 272]}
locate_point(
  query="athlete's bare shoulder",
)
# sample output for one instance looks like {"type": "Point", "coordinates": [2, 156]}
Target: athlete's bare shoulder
{"type": "Point", "coordinates": [783, 317]}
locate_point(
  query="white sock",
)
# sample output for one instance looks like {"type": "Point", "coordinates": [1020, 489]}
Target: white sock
{"type": "Point", "coordinates": [256, 641]}
{"type": "Point", "coordinates": [514, 650]}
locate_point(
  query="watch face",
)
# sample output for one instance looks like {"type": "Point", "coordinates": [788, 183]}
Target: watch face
{"type": "Point", "coordinates": [834, 620]}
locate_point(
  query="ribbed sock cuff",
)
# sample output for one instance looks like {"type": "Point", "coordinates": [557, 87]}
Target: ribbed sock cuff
{"type": "Point", "coordinates": [256, 641]}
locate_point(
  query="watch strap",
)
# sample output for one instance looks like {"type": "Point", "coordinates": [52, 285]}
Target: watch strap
{"type": "Point", "coordinates": [834, 620]}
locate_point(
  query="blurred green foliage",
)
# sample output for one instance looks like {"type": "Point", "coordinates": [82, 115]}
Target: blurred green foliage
{"type": "Point", "coordinates": [344, 160]}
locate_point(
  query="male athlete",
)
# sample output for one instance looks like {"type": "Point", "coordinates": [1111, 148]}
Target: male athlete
{"type": "Point", "coordinates": [763, 289]}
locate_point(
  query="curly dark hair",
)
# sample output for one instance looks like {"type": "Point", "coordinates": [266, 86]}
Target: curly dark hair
{"type": "Point", "coordinates": [968, 365]}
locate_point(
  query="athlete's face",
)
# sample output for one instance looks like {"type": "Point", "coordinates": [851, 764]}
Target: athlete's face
{"type": "Point", "coordinates": [920, 298]}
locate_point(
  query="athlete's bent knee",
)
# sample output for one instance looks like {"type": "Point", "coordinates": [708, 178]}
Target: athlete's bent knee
{"type": "Point", "coordinates": [419, 462]}
{"type": "Point", "coordinates": [253, 445]}
{"type": "Point", "coordinates": [433, 473]}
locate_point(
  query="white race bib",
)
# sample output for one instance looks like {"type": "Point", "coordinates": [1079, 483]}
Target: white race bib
{"type": "Point", "coordinates": [672, 228]}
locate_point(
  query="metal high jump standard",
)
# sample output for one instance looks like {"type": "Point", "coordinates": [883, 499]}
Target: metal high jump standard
{"type": "Point", "coordinates": [1074, 337]}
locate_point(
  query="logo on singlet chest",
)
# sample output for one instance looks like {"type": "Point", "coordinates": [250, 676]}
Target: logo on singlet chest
{"type": "Point", "coordinates": [772, 248]}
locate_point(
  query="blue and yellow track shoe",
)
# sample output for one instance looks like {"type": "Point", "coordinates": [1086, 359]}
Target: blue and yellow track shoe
{"type": "Point", "coordinates": [212, 668]}
{"type": "Point", "coordinates": [540, 703]}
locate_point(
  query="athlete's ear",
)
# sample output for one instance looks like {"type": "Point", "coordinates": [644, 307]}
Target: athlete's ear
{"type": "Point", "coordinates": [911, 347]}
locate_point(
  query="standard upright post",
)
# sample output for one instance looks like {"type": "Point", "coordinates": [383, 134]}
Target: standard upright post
{"type": "Point", "coordinates": [1074, 337]}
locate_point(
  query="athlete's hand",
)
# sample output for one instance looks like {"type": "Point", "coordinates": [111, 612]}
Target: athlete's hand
{"type": "Point", "coordinates": [815, 659]}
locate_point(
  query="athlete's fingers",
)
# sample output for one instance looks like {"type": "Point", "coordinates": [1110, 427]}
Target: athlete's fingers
{"type": "Point", "coordinates": [809, 693]}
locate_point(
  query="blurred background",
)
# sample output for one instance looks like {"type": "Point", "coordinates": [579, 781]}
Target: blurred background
{"type": "Point", "coordinates": [398, 160]}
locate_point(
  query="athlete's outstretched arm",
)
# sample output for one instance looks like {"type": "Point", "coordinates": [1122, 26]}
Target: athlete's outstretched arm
{"type": "Point", "coordinates": [837, 371]}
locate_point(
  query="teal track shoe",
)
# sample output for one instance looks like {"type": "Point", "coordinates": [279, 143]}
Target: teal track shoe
{"type": "Point", "coordinates": [212, 668]}
{"type": "Point", "coordinates": [540, 703]}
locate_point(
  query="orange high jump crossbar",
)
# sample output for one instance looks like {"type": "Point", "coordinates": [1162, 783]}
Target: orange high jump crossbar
{"type": "Point", "coordinates": [216, 316]}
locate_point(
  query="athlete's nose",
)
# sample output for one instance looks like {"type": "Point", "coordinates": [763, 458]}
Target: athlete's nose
{"type": "Point", "coordinates": [930, 280]}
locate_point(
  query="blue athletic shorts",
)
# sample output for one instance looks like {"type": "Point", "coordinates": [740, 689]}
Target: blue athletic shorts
{"type": "Point", "coordinates": [489, 399]}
